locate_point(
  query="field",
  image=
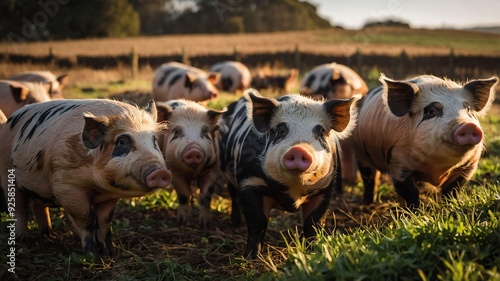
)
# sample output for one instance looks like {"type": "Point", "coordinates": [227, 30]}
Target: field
{"type": "Point", "coordinates": [448, 240]}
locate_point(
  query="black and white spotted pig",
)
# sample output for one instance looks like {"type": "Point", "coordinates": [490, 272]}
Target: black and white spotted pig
{"type": "Point", "coordinates": [55, 83]}
{"type": "Point", "coordinates": [14, 95]}
{"type": "Point", "coordinates": [282, 153]}
{"type": "Point", "coordinates": [333, 80]}
{"type": "Point", "coordinates": [235, 76]}
{"type": "Point", "coordinates": [82, 155]}
{"type": "Point", "coordinates": [421, 129]}
{"type": "Point", "coordinates": [190, 149]}
{"type": "Point", "coordinates": [175, 80]}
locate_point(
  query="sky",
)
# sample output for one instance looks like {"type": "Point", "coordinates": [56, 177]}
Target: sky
{"type": "Point", "coordinates": [352, 14]}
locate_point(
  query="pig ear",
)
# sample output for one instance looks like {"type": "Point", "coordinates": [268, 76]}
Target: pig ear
{"type": "Point", "coordinates": [190, 78]}
{"type": "Point", "coordinates": [335, 74]}
{"type": "Point", "coordinates": [483, 92]}
{"type": "Point", "coordinates": [164, 112]}
{"type": "Point", "coordinates": [63, 79]}
{"type": "Point", "coordinates": [340, 112]}
{"type": "Point", "coordinates": [260, 109]}
{"type": "Point", "coordinates": [19, 92]}
{"type": "Point", "coordinates": [94, 130]}
{"type": "Point", "coordinates": [214, 77]}
{"type": "Point", "coordinates": [399, 95]}
{"type": "Point", "coordinates": [213, 115]}
{"type": "Point", "coordinates": [151, 109]}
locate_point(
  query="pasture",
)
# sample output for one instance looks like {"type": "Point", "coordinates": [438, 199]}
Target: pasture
{"type": "Point", "coordinates": [457, 239]}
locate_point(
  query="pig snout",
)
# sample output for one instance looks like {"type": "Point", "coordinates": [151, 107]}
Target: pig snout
{"type": "Point", "coordinates": [297, 158]}
{"type": "Point", "coordinates": [192, 156]}
{"type": "Point", "coordinates": [467, 134]}
{"type": "Point", "coordinates": [157, 177]}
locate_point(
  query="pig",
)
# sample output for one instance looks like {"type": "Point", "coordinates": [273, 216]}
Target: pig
{"type": "Point", "coordinates": [190, 149]}
{"type": "Point", "coordinates": [14, 95]}
{"type": "Point", "coordinates": [56, 84]}
{"type": "Point", "coordinates": [333, 80]}
{"type": "Point", "coordinates": [275, 83]}
{"type": "Point", "coordinates": [82, 155]}
{"type": "Point", "coordinates": [423, 129]}
{"type": "Point", "coordinates": [282, 153]}
{"type": "Point", "coordinates": [175, 80]}
{"type": "Point", "coordinates": [235, 76]}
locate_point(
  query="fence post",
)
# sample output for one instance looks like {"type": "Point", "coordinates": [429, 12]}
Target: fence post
{"type": "Point", "coordinates": [184, 55]}
{"type": "Point", "coordinates": [52, 60]}
{"type": "Point", "coordinates": [236, 54]}
{"type": "Point", "coordinates": [359, 59]}
{"type": "Point", "coordinates": [297, 57]}
{"type": "Point", "coordinates": [134, 62]}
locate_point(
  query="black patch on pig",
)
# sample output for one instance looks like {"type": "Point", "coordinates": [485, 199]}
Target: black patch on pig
{"type": "Point", "coordinates": [320, 134]}
{"type": "Point", "coordinates": [227, 83]}
{"type": "Point", "coordinates": [15, 118]}
{"type": "Point", "coordinates": [310, 80]}
{"type": "Point", "coordinates": [174, 105]}
{"type": "Point", "coordinates": [283, 98]}
{"type": "Point", "coordinates": [367, 154]}
{"type": "Point", "coordinates": [174, 79]}
{"type": "Point", "coordinates": [165, 75]}
{"type": "Point", "coordinates": [50, 202]}
{"type": "Point", "coordinates": [279, 132]}
{"type": "Point", "coordinates": [92, 222]}
{"type": "Point", "coordinates": [123, 146]}
{"type": "Point", "coordinates": [432, 110]}
{"type": "Point", "coordinates": [39, 160]}
{"type": "Point", "coordinates": [205, 132]}
{"type": "Point", "coordinates": [43, 116]}
{"type": "Point", "coordinates": [389, 155]}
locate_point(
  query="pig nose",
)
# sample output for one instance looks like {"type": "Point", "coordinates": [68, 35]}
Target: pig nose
{"type": "Point", "coordinates": [157, 177]}
{"type": "Point", "coordinates": [468, 133]}
{"type": "Point", "coordinates": [213, 95]}
{"type": "Point", "coordinates": [297, 158]}
{"type": "Point", "coordinates": [193, 156]}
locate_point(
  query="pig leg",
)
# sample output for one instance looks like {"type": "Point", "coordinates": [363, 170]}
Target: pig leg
{"type": "Point", "coordinates": [370, 178]}
{"type": "Point", "coordinates": [42, 217]}
{"type": "Point", "coordinates": [348, 163]}
{"type": "Point", "coordinates": [183, 188]}
{"type": "Point", "coordinates": [252, 207]}
{"type": "Point", "coordinates": [408, 190]}
{"type": "Point", "coordinates": [104, 213]}
{"type": "Point", "coordinates": [451, 189]}
{"type": "Point", "coordinates": [207, 186]}
{"type": "Point", "coordinates": [314, 212]}
{"type": "Point", "coordinates": [22, 208]}
{"type": "Point", "coordinates": [82, 215]}
{"type": "Point", "coordinates": [235, 207]}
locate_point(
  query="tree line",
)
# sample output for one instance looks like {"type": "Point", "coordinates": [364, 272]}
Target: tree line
{"type": "Point", "coordinates": [35, 20]}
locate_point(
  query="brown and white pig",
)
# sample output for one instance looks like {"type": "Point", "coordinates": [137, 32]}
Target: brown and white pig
{"type": "Point", "coordinates": [421, 129]}
{"type": "Point", "coordinates": [56, 83]}
{"type": "Point", "coordinates": [82, 155]}
{"type": "Point", "coordinates": [282, 153]}
{"type": "Point", "coordinates": [175, 80]}
{"type": "Point", "coordinates": [14, 95]}
{"type": "Point", "coordinates": [333, 80]}
{"type": "Point", "coordinates": [235, 76]}
{"type": "Point", "coordinates": [190, 149]}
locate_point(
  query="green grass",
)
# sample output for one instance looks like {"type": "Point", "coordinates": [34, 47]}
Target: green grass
{"type": "Point", "coordinates": [456, 239]}
{"type": "Point", "coordinates": [103, 90]}
{"type": "Point", "coordinates": [424, 38]}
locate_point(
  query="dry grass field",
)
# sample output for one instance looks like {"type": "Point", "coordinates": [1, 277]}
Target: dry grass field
{"type": "Point", "coordinates": [334, 41]}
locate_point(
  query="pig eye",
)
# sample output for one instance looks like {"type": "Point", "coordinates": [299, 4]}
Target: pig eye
{"type": "Point", "coordinates": [204, 132]}
{"type": "Point", "coordinates": [432, 110]}
{"type": "Point", "coordinates": [123, 145]}
{"type": "Point", "coordinates": [176, 132]}
{"type": "Point", "coordinates": [279, 132]}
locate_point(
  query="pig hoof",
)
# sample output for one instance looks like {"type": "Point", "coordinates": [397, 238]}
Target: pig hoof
{"type": "Point", "coordinates": [182, 214]}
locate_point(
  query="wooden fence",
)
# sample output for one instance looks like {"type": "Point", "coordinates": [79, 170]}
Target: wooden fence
{"type": "Point", "coordinates": [460, 67]}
